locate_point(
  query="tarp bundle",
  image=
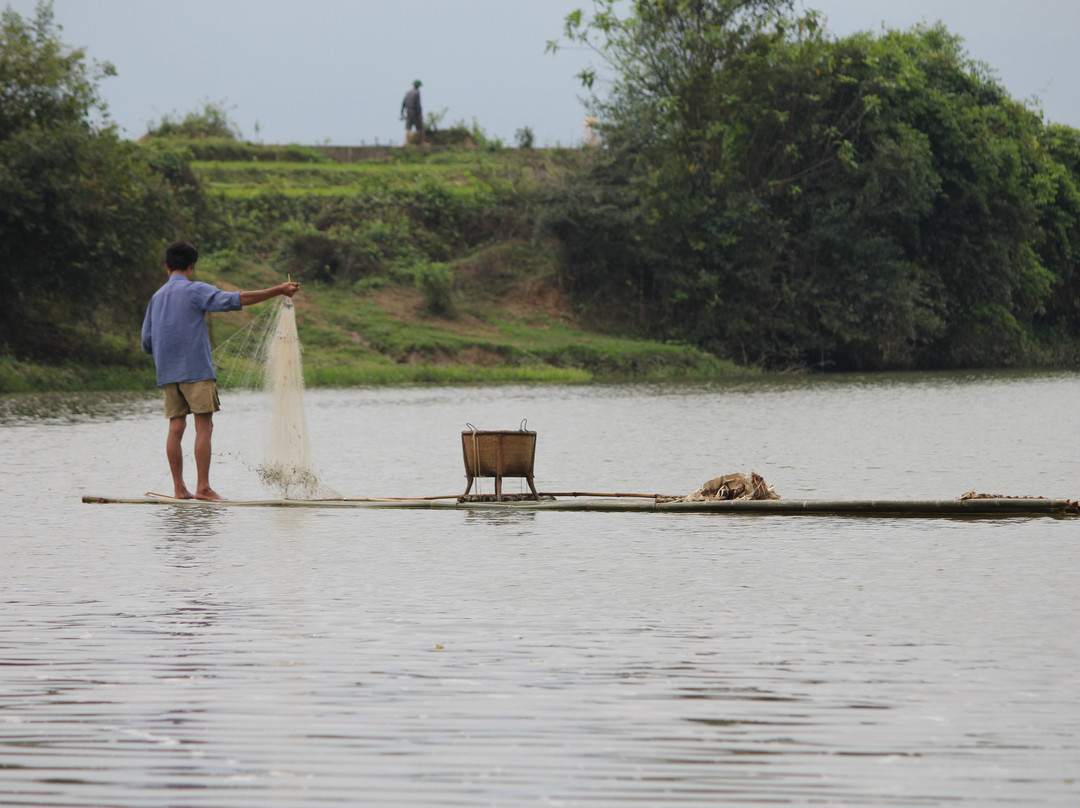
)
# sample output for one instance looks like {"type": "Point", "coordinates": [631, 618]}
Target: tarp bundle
{"type": "Point", "coordinates": [733, 486]}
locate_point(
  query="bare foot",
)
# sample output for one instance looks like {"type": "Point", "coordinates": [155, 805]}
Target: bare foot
{"type": "Point", "coordinates": [210, 495]}
{"type": "Point", "coordinates": [183, 493]}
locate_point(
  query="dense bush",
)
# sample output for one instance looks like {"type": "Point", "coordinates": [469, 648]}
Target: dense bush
{"type": "Point", "coordinates": [456, 136]}
{"type": "Point", "coordinates": [82, 213]}
{"type": "Point", "coordinates": [212, 121]}
{"type": "Point", "coordinates": [228, 149]}
{"type": "Point", "coordinates": [209, 134]}
{"type": "Point", "coordinates": [789, 199]}
{"type": "Point", "coordinates": [436, 285]}
{"type": "Point", "coordinates": [345, 237]}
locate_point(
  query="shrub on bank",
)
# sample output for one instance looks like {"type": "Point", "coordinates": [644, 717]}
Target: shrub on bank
{"type": "Point", "coordinates": [239, 151]}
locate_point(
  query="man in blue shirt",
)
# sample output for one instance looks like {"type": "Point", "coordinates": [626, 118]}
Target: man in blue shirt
{"type": "Point", "coordinates": [174, 332]}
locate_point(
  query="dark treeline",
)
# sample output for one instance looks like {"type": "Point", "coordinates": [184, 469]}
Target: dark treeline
{"type": "Point", "coordinates": [793, 200]}
{"type": "Point", "coordinates": [764, 191]}
{"type": "Point", "coordinates": [82, 212]}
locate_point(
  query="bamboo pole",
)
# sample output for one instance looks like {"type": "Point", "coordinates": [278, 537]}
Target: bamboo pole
{"type": "Point", "coordinates": [593, 494]}
{"type": "Point", "coordinates": [399, 499]}
{"type": "Point", "coordinates": [1000, 507]}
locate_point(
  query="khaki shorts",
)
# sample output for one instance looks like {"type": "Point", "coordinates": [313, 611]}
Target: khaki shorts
{"type": "Point", "coordinates": [194, 397]}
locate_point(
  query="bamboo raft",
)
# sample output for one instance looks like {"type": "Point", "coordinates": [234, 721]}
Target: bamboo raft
{"type": "Point", "coordinates": [990, 507]}
{"type": "Point", "coordinates": [500, 454]}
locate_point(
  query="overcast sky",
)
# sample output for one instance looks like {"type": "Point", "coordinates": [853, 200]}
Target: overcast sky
{"type": "Point", "coordinates": [335, 71]}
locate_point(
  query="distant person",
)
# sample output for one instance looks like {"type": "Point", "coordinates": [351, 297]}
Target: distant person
{"type": "Point", "coordinates": [411, 112]}
{"type": "Point", "coordinates": [174, 332]}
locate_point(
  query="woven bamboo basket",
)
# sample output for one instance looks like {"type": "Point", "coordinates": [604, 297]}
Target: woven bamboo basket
{"type": "Point", "coordinates": [499, 454]}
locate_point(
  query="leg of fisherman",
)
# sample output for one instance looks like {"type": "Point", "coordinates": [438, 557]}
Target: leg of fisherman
{"type": "Point", "coordinates": [204, 429]}
{"type": "Point", "coordinates": [202, 398]}
{"type": "Point", "coordinates": [175, 454]}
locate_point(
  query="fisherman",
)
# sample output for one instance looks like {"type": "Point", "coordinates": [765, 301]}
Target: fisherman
{"type": "Point", "coordinates": [412, 114]}
{"type": "Point", "coordinates": [174, 332]}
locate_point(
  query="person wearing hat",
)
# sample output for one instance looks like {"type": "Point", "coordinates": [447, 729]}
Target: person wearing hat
{"type": "Point", "coordinates": [412, 113]}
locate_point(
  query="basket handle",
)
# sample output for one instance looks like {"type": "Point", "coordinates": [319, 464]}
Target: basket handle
{"type": "Point", "coordinates": [524, 421]}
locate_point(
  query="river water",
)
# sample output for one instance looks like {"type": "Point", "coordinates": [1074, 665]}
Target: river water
{"type": "Point", "coordinates": [218, 657]}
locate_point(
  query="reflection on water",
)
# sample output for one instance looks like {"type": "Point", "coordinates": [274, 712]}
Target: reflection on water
{"type": "Point", "coordinates": [220, 657]}
{"type": "Point", "coordinates": [183, 533]}
{"type": "Point", "coordinates": [186, 522]}
{"type": "Point", "coordinates": [513, 521]}
{"type": "Point", "coordinates": [70, 408]}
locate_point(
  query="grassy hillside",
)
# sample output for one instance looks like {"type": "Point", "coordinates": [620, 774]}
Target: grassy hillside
{"type": "Point", "coordinates": [417, 267]}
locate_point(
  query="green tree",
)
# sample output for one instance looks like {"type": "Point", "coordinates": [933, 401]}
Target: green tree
{"type": "Point", "coordinates": [83, 215]}
{"type": "Point", "coordinates": [1058, 247]}
{"type": "Point", "coordinates": [635, 224]}
{"type": "Point", "coordinates": [43, 84]}
{"type": "Point", "coordinates": [789, 199]}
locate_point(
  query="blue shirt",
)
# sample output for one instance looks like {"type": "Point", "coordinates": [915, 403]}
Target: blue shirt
{"type": "Point", "coordinates": [174, 329]}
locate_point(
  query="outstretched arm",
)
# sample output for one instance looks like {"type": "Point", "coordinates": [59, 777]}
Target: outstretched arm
{"type": "Point", "coordinates": [289, 288]}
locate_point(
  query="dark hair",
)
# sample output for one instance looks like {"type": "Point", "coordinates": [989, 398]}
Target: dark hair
{"type": "Point", "coordinates": [180, 255]}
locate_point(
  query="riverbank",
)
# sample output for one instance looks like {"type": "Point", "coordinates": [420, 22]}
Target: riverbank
{"type": "Point", "coordinates": [385, 336]}
{"type": "Point", "coordinates": [514, 349]}
{"type": "Point", "coordinates": [417, 267]}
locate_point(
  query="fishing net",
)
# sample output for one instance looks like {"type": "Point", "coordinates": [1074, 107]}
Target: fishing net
{"type": "Point", "coordinates": [268, 355]}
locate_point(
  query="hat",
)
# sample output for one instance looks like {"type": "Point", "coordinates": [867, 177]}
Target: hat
{"type": "Point", "coordinates": [416, 83]}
